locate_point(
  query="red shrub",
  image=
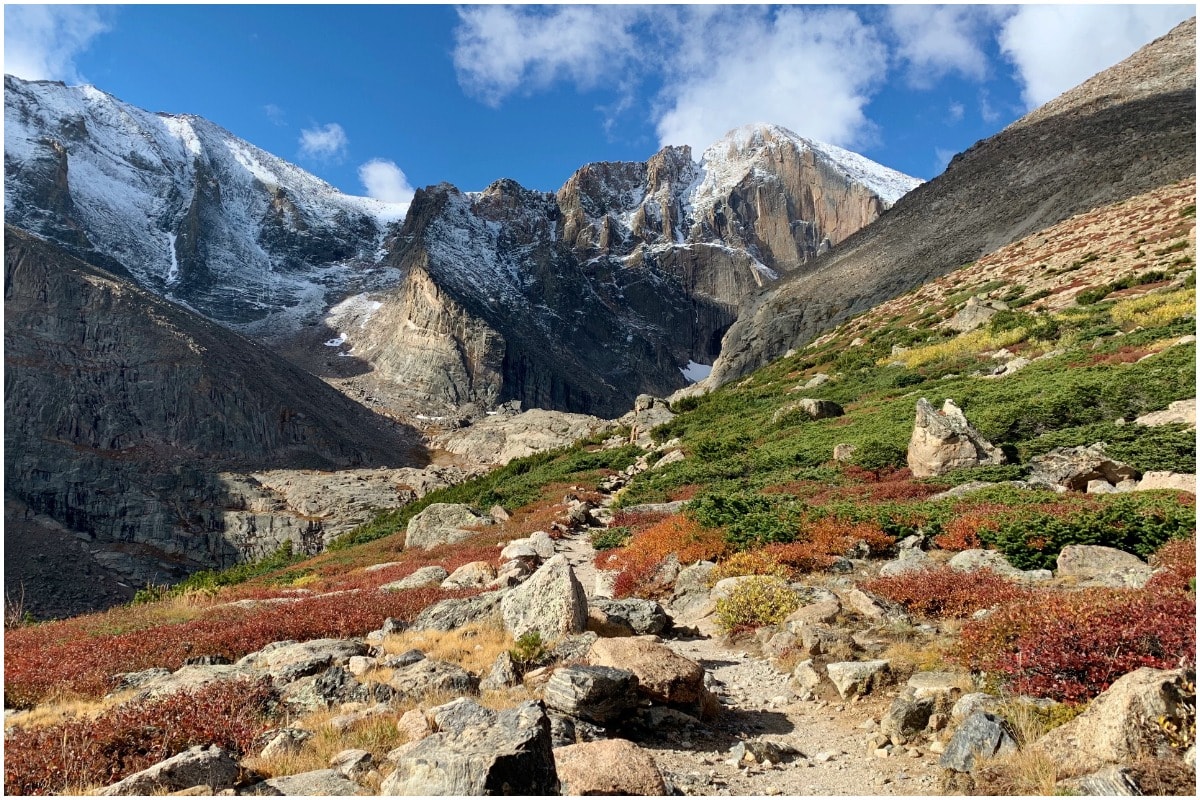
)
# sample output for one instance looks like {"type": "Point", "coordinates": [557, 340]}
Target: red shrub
{"type": "Point", "coordinates": [945, 592]}
{"type": "Point", "coordinates": [638, 521]}
{"type": "Point", "coordinates": [962, 532]}
{"type": "Point", "coordinates": [52, 659]}
{"type": "Point", "coordinates": [639, 560]}
{"type": "Point", "coordinates": [1177, 561]}
{"type": "Point", "coordinates": [1071, 646]}
{"type": "Point", "coordinates": [126, 739]}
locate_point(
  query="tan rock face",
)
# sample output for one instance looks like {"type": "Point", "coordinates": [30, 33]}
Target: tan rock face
{"type": "Point", "coordinates": [610, 767]}
{"type": "Point", "coordinates": [944, 441]}
{"type": "Point", "coordinates": [662, 675]}
{"type": "Point", "coordinates": [501, 438]}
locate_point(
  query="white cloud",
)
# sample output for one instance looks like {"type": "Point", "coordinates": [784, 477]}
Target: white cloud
{"type": "Point", "coordinates": [385, 181]}
{"type": "Point", "coordinates": [324, 142]}
{"type": "Point", "coordinates": [42, 41]}
{"type": "Point", "coordinates": [500, 49]}
{"type": "Point", "coordinates": [275, 114]}
{"type": "Point", "coordinates": [935, 41]}
{"type": "Point", "coordinates": [1055, 48]}
{"type": "Point", "coordinates": [956, 112]}
{"type": "Point", "coordinates": [810, 70]}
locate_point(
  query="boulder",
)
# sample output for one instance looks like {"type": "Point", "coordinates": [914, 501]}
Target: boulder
{"type": "Point", "coordinates": [824, 640]}
{"type": "Point", "coordinates": [806, 678]}
{"type": "Point", "coordinates": [974, 314]}
{"type": "Point", "coordinates": [430, 676]}
{"type": "Point", "coordinates": [810, 408]}
{"type": "Point", "coordinates": [470, 576]}
{"type": "Point", "coordinates": [443, 523]}
{"type": "Point", "coordinates": [1108, 782]}
{"type": "Point", "coordinates": [332, 687]}
{"type": "Point", "coordinates": [287, 741]}
{"type": "Point", "coordinates": [1181, 412]}
{"type": "Point", "coordinates": [611, 767]}
{"type": "Point", "coordinates": [414, 725]}
{"type": "Point", "coordinates": [1122, 723]}
{"type": "Point", "coordinates": [974, 560]}
{"type": "Point", "coordinates": [202, 765]}
{"type": "Point", "coordinates": [663, 675]}
{"type": "Point", "coordinates": [595, 694]}
{"type": "Point", "coordinates": [286, 662]}
{"type": "Point", "coordinates": [844, 453]}
{"type": "Point", "coordinates": [425, 576]}
{"type": "Point", "coordinates": [873, 607]}
{"type": "Point", "coordinates": [1178, 481]}
{"type": "Point", "coordinates": [819, 612]}
{"type": "Point", "coordinates": [353, 764]}
{"type": "Point", "coordinates": [448, 615]}
{"type": "Point", "coordinates": [982, 735]}
{"type": "Point", "coordinates": [458, 715]}
{"type": "Point", "coordinates": [319, 783]}
{"type": "Point", "coordinates": [502, 675]}
{"type": "Point", "coordinates": [938, 684]}
{"type": "Point", "coordinates": [910, 559]}
{"type": "Point", "coordinates": [542, 544]}
{"type": "Point", "coordinates": [1074, 467]}
{"type": "Point", "coordinates": [639, 617]}
{"type": "Point", "coordinates": [1094, 565]}
{"type": "Point", "coordinates": [857, 678]}
{"type": "Point", "coordinates": [403, 659]}
{"type": "Point", "coordinates": [344, 722]}
{"type": "Point", "coordinates": [552, 603]}
{"type": "Point", "coordinates": [673, 457]}
{"type": "Point", "coordinates": [509, 755]}
{"type": "Point", "coordinates": [499, 438]}
{"type": "Point", "coordinates": [905, 718]}
{"type": "Point", "coordinates": [943, 441]}
{"type": "Point", "coordinates": [692, 581]}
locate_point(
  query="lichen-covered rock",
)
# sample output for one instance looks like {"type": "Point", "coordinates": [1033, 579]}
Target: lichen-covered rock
{"type": "Point", "coordinates": [982, 735]}
{"type": "Point", "coordinates": [448, 615]}
{"type": "Point", "coordinates": [1074, 467]}
{"type": "Point", "coordinates": [640, 617]}
{"type": "Point", "coordinates": [425, 576]}
{"type": "Point", "coordinates": [197, 766]}
{"type": "Point", "coordinates": [472, 575]}
{"type": "Point", "coordinates": [443, 523]}
{"type": "Point", "coordinates": [1095, 565]}
{"type": "Point", "coordinates": [663, 675]}
{"type": "Point", "coordinates": [431, 676]}
{"type": "Point", "coordinates": [596, 694]}
{"type": "Point", "coordinates": [511, 754]}
{"type": "Point", "coordinates": [551, 602]}
{"type": "Point", "coordinates": [943, 441]}
{"type": "Point", "coordinates": [856, 678]}
{"type": "Point", "coordinates": [318, 783]}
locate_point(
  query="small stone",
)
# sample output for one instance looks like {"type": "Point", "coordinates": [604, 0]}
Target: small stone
{"type": "Point", "coordinates": [883, 752]}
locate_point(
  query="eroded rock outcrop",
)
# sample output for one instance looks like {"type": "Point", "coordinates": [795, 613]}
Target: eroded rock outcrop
{"type": "Point", "coordinates": [943, 441]}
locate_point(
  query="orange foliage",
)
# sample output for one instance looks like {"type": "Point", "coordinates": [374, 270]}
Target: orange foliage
{"type": "Point", "coordinates": [677, 535]}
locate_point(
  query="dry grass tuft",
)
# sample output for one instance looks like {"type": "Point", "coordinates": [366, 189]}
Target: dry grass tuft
{"type": "Point", "coordinates": [473, 647]}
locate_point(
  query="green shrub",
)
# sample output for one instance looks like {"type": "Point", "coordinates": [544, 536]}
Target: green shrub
{"type": "Point", "coordinates": [528, 648]}
{"type": "Point", "coordinates": [721, 509]}
{"type": "Point", "coordinates": [609, 538]}
{"type": "Point", "coordinates": [756, 601]}
{"type": "Point", "coordinates": [877, 455]}
{"type": "Point", "coordinates": [284, 556]}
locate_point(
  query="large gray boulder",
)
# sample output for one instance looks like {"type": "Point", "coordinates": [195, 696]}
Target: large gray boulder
{"type": "Point", "coordinates": [511, 754]}
{"type": "Point", "coordinates": [975, 560]}
{"type": "Point", "coordinates": [551, 602]}
{"type": "Point", "coordinates": [857, 678]}
{"type": "Point", "coordinates": [983, 735]}
{"type": "Point", "coordinates": [1094, 565]}
{"type": "Point", "coordinates": [286, 662]}
{"type": "Point", "coordinates": [443, 523]}
{"type": "Point", "coordinates": [448, 615]}
{"type": "Point", "coordinates": [639, 617]}
{"type": "Point", "coordinates": [1181, 412]}
{"type": "Point", "coordinates": [425, 576]}
{"type": "Point", "coordinates": [1075, 467]}
{"type": "Point", "coordinates": [595, 694]}
{"type": "Point", "coordinates": [197, 766]}
{"type": "Point", "coordinates": [431, 676]}
{"type": "Point", "coordinates": [943, 441]}
{"type": "Point", "coordinates": [319, 783]}
{"type": "Point", "coordinates": [1122, 723]}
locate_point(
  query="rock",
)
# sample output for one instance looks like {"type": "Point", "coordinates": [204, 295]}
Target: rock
{"type": "Point", "coordinates": [809, 407]}
{"type": "Point", "coordinates": [974, 314]}
{"type": "Point", "coordinates": [821, 612]}
{"type": "Point", "coordinates": [639, 617]}
{"type": "Point", "coordinates": [611, 767]}
{"type": "Point", "coordinates": [500, 438]}
{"type": "Point", "coordinates": [910, 560]}
{"type": "Point", "coordinates": [552, 603]}
{"type": "Point", "coordinates": [673, 457]}
{"type": "Point", "coordinates": [360, 665]}
{"type": "Point", "coordinates": [469, 576]}
{"type": "Point", "coordinates": [344, 722]}
{"type": "Point", "coordinates": [872, 606]}
{"type": "Point", "coordinates": [448, 615]}
{"type": "Point", "coordinates": [200, 765]}
{"type": "Point", "coordinates": [443, 523]}
{"type": "Point", "coordinates": [844, 453]}
{"type": "Point", "coordinates": [430, 676]}
{"type": "Point", "coordinates": [982, 735]}
{"type": "Point", "coordinates": [414, 725]}
{"type": "Point", "coordinates": [319, 783]}
{"type": "Point", "coordinates": [498, 514]}
{"type": "Point", "coordinates": [293, 660]}
{"type": "Point", "coordinates": [1093, 565]}
{"type": "Point", "coordinates": [509, 755]}
{"type": "Point", "coordinates": [1166, 480]}
{"type": "Point", "coordinates": [758, 751]}
{"type": "Point", "coordinates": [974, 560]}
{"type": "Point", "coordinates": [353, 764]}
{"type": "Point", "coordinates": [692, 581]}
{"type": "Point", "coordinates": [806, 679]}
{"type": "Point", "coordinates": [1121, 724]}
{"type": "Point", "coordinates": [403, 659]}
{"type": "Point", "coordinates": [663, 675]}
{"type": "Point", "coordinates": [1074, 467]}
{"type": "Point", "coordinates": [820, 379]}
{"type": "Point", "coordinates": [502, 675]}
{"type": "Point", "coordinates": [823, 640]}
{"type": "Point", "coordinates": [597, 694]}
{"type": "Point", "coordinates": [972, 702]}
{"type": "Point", "coordinates": [906, 718]}
{"type": "Point", "coordinates": [425, 576]}
{"type": "Point", "coordinates": [335, 686]}
{"type": "Point", "coordinates": [1109, 782]}
{"type": "Point", "coordinates": [937, 684]}
{"type": "Point", "coordinates": [287, 741]}
{"type": "Point", "coordinates": [856, 678]}
{"type": "Point", "coordinates": [459, 715]}
{"type": "Point", "coordinates": [542, 544]}
{"type": "Point", "coordinates": [520, 549]}
{"type": "Point", "coordinates": [944, 441]}
{"type": "Point", "coordinates": [1181, 412]}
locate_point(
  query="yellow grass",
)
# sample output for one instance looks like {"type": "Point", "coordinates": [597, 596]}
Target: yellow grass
{"type": "Point", "coordinates": [1154, 309]}
{"type": "Point", "coordinates": [976, 341]}
{"type": "Point", "coordinates": [51, 713]}
{"type": "Point", "coordinates": [473, 647]}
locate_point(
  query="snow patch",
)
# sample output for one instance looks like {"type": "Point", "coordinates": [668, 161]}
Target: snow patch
{"type": "Point", "coordinates": [356, 310]}
{"type": "Point", "coordinates": [338, 342]}
{"type": "Point", "coordinates": [694, 372]}
{"type": "Point", "coordinates": [173, 270]}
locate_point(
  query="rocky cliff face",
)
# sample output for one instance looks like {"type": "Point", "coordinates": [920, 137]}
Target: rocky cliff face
{"type": "Point", "coordinates": [122, 410]}
{"type": "Point", "coordinates": [1127, 130]}
{"type": "Point", "coordinates": [188, 210]}
{"type": "Point", "coordinates": [611, 287]}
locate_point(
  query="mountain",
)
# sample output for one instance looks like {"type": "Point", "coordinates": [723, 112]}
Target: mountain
{"type": "Point", "coordinates": [185, 208]}
{"type": "Point", "coordinates": [122, 411]}
{"type": "Point", "coordinates": [1127, 130]}
{"type": "Point", "coordinates": [620, 283]}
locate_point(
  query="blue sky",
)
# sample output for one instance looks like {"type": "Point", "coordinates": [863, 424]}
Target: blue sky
{"type": "Point", "coordinates": [377, 99]}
